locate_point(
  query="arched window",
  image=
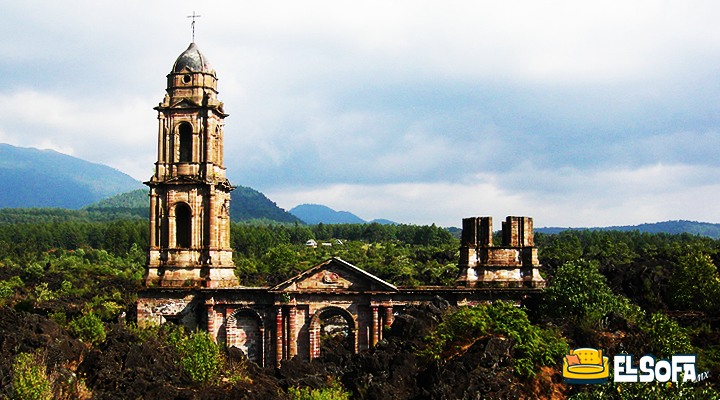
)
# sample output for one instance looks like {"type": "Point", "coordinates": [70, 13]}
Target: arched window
{"type": "Point", "coordinates": [186, 142]}
{"type": "Point", "coordinates": [183, 224]}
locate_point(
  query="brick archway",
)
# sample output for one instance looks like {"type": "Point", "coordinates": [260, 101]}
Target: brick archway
{"type": "Point", "coordinates": [245, 329]}
{"type": "Point", "coordinates": [327, 312]}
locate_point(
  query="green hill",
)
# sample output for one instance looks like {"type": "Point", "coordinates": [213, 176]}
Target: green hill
{"type": "Point", "coordinates": [247, 205]}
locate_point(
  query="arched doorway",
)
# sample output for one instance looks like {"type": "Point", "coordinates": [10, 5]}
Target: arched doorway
{"type": "Point", "coordinates": [245, 330]}
{"type": "Point", "coordinates": [335, 324]}
{"type": "Point", "coordinates": [183, 225]}
{"type": "Point", "coordinates": [186, 142]}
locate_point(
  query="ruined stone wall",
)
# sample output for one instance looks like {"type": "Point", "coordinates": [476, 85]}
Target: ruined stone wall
{"type": "Point", "coordinates": [514, 264]}
{"type": "Point", "coordinates": [248, 319]}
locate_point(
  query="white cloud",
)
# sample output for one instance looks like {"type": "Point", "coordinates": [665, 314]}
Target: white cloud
{"type": "Point", "coordinates": [578, 198]}
{"type": "Point", "coordinates": [109, 132]}
{"type": "Point", "coordinates": [578, 113]}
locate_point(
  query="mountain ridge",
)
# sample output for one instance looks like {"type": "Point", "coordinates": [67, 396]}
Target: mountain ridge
{"type": "Point", "coordinates": [45, 178]}
{"type": "Point", "coordinates": [314, 214]}
{"type": "Point", "coordinates": [671, 227]}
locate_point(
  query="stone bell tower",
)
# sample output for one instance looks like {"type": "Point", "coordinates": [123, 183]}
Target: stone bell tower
{"type": "Point", "coordinates": [189, 193]}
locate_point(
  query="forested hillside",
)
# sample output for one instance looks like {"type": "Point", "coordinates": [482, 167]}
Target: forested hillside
{"type": "Point", "coordinates": [67, 292]}
{"type": "Point", "coordinates": [248, 206]}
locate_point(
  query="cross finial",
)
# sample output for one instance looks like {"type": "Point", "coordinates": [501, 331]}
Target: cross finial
{"type": "Point", "coordinates": [193, 16]}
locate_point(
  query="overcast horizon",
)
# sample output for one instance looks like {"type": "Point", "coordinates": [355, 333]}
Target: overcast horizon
{"type": "Point", "coordinates": [577, 114]}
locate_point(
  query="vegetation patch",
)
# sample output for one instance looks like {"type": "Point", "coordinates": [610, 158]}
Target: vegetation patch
{"type": "Point", "coordinates": [534, 346]}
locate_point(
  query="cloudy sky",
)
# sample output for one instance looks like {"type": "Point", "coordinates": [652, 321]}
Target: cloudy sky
{"type": "Point", "coordinates": [574, 113]}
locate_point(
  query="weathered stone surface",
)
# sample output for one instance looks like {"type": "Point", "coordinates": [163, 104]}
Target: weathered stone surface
{"type": "Point", "coordinates": [270, 325]}
{"type": "Point", "coordinates": [189, 193]}
{"type": "Point", "coordinates": [514, 264]}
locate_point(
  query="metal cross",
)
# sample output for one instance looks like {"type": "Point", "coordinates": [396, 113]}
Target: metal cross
{"type": "Point", "coordinates": [193, 23]}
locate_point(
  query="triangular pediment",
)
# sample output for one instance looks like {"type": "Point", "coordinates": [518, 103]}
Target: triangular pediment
{"type": "Point", "coordinates": [185, 103]}
{"type": "Point", "coordinates": [335, 275]}
{"type": "Point", "coordinates": [182, 179]}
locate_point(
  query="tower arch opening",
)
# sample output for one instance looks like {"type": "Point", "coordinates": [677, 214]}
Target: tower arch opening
{"type": "Point", "coordinates": [183, 224]}
{"type": "Point", "coordinates": [186, 142]}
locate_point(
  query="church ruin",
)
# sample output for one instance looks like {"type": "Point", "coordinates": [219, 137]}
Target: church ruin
{"type": "Point", "coordinates": [190, 279]}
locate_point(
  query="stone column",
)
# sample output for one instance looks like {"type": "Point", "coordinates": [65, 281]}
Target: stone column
{"type": "Point", "coordinates": [314, 335]}
{"type": "Point", "coordinates": [278, 335]}
{"type": "Point", "coordinates": [212, 224]}
{"type": "Point", "coordinates": [375, 325]}
{"type": "Point", "coordinates": [172, 230]}
{"type": "Point", "coordinates": [262, 346]}
{"type": "Point", "coordinates": [230, 331]}
{"type": "Point", "coordinates": [211, 321]}
{"type": "Point", "coordinates": [153, 220]}
{"type": "Point", "coordinates": [354, 339]}
{"type": "Point", "coordinates": [292, 333]}
{"type": "Point", "coordinates": [161, 139]}
{"type": "Point", "coordinates": [389, 316]}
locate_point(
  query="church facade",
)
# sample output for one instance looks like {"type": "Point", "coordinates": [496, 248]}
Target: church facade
{"type": "Point", "coordinates": [190, 279]}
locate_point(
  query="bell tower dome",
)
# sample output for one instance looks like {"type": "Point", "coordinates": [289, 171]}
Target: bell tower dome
{"type": "Point", "coordinates": [189, 193]}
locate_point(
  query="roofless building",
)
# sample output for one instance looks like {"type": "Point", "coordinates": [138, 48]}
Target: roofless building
{"type": "Point", "coordinates": [190, 279]}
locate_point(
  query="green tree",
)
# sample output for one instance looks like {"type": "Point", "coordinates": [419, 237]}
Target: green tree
{"type": "Point", "coordinates": [201, 358]}
{"type": "Point", "coordinates": [564, 248]}
{"type": "Point", "coordinates": [695, 283]}
{"type": "Point", "coordinates": [89, 328]}
{"type": "Point", "coordinates": [579, 291]}
{"type": "Point", "coordinates": [667, 336]}
{"type": "Point", "coordinates": [280, 259]}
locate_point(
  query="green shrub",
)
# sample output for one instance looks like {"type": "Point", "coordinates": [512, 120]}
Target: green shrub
{"type": "Point", "coordinates": [89, 328]}
{"type": "Point", "coordinates": [580, 292]}
{"type": "Point", "coordinates": [30, 382]}
{"type": "Point", "coordinates": [334, 392]}
{"type": "Point", "coordinates": [201, 358]}
{"type": "Point", "coordinates": [42, 293]}
{"type": "Point", "coordinates": [667, 336]}
{"type": "Point", "coordinates": [534, 346]}
{"type": "Point", "coordinates": [7, 288]}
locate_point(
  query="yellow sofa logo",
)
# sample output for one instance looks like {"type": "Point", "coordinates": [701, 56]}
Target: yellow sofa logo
{"type": "Point", "coordinates": [586, 365]}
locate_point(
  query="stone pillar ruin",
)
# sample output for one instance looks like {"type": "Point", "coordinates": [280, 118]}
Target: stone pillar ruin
{"type": "Point", "coordinates": [512, 264]}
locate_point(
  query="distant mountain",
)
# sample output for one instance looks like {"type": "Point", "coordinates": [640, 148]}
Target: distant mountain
{"type": "Point", "coordinates": [384, 222]}
{"type": "Point", "coordinates": [249, 204]}
{"type": "Point", "coordinates": [673, 227]}
{"type": "Point", "coordinates": [45, 178]}
{"type": "Point", "coordinates": [246, 204]}
{"type": "Point", "coordinates": [315, 213]}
